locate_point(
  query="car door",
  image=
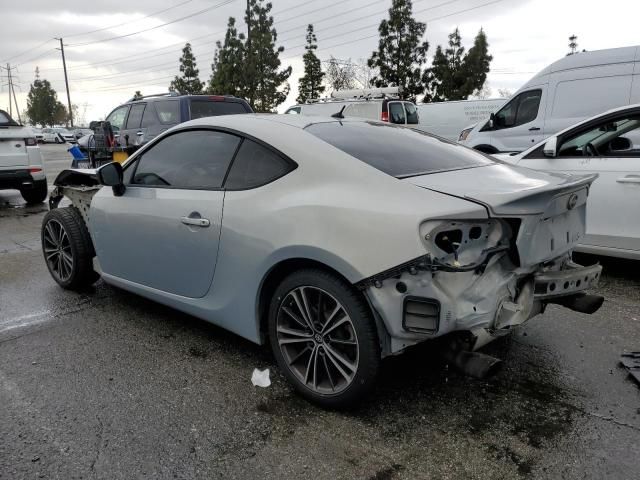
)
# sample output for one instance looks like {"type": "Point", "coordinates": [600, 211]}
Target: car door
{"type": "Point", "coordinates": [519, 124]}
{"type": "Point", "coordinates": [131, 133]}
{"type": "Point", "coordinates": [163, 232]}
{"type": "Point", "coordinates": [610, 148]}
{"type": "Point", "coordinates": [117, 118]}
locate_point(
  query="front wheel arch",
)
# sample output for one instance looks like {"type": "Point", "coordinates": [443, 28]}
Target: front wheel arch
{"type": "Point", "coordinates": [486, 149]}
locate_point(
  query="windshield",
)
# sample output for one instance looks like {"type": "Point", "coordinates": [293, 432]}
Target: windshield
{"type": "Point", "coordinates": [398, 151]}
{"type": "Point", "coordinates": [62, 130]}
{"type": "Point", "coordinates": [6, 120]}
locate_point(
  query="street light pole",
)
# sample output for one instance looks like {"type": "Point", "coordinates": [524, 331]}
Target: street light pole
{"type": "Point", "coordinates": [66, 81]}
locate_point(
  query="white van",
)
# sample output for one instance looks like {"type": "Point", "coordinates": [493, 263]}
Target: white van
{"type": "Point", "coordinates": [566, 92]}
{"type": "Point", "coordinates": [448, 119]}
{"type": "Point", "coordinates": [382, 104]}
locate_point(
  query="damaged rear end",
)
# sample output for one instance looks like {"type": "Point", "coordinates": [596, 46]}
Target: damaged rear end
{"type": "Point", "coordinates": [486, 277]}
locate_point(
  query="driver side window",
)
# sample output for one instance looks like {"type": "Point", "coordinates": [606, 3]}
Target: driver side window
{"type": "Point", "coordinates": [116, 118]}
{"type": "Point", "coordinates": [612, 138]}
{"type": "Point", "coordinates": [520, 110]}
{"type": "Point", "coordinates": [192, 159]}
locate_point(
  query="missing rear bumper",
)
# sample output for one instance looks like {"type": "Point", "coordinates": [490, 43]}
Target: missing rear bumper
{"type": "Point", "coordinates": [562, 283]}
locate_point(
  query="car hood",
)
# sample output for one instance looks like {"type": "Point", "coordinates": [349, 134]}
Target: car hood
{"type": "Point", "coordinates": [504, 189]}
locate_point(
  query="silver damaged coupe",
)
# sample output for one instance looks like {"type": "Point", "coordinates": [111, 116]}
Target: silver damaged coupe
{"type": "Point", "coordinates": [338, 241]}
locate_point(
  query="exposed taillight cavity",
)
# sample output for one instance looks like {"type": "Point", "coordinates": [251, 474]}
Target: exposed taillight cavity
{"type": "Point", "coordinates": [30, 142]}
{"type": "Point", "coordinates": [385, 116]}
{"type": "Point", "coordinates": [35, 169]}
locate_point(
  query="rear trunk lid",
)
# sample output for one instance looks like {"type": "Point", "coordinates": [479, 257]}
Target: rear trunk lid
{"type": "Point", "coordinates": [509, 190]}
{"type": "Point", "coordinates": [550, 208]}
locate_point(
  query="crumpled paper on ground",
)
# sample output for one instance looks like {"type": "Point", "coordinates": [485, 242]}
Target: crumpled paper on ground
{"type": "Point", "coordinates": [260, 378]}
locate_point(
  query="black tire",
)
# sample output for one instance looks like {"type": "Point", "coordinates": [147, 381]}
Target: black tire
{"type": "Point", "coordinates": [362, 326]}
{"type": "Point", "coordinates": [56, 140]}
{"type": "Point", "coordinates": [35, 194]}
{"type": "Point", "coordinates": [78, 273]}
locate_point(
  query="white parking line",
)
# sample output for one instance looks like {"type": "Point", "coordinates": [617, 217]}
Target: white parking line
{"type": "Point", "coordinates": [24, 321]}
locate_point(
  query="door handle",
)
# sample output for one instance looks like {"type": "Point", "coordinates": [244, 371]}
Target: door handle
{"type": "Point", "coordinates": [629, 179]}
{"type": "Point", "coordinates": [196, 222]}
{"type": "Point", "coordinates": [534, 129]}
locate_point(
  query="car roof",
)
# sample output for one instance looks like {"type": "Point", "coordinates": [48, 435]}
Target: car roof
{"type": "Point", "coordinates": [238, 121]}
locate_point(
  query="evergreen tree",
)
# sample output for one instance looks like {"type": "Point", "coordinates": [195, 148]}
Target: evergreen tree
{"type": "Point", "coordinates": [310, 85]}
{"type": "Point", "coordinates": [188, 83]}
{"type": "Point", "coordinates": [454, 74]}
{"type": "Point", "coordinates": [227, 76]}
{"type": "Point", "coordinates": [43, 107]}
{"type": "Point", "coordinates": [401, 51]}
{"type": "Point", "coordinates": [265, 86]}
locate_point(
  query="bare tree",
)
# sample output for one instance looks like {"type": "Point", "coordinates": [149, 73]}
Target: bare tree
{"type": "Point", "coordinates": [504, 93]}
{"type": "Point", "coordinates": [340, 74]}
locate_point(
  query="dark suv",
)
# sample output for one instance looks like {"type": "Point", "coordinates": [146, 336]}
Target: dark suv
{"type": "Point", "coordinates": [138, 121]}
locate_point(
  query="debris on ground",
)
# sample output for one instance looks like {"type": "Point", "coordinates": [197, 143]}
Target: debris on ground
{"type": "Point", "coordinates": [631, 361]}
{"type": "Point", "coordinates": [260, 378]}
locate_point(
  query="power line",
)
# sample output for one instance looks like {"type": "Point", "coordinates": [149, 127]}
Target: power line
{"type": "Point", "coordinates": [199, 12]}
{"type": "Point", "coordinates": [28, 50]}
{"type": "Point", "coordinates": [377, 34]}
{"type": "Point", "coordinates": [129, 22]}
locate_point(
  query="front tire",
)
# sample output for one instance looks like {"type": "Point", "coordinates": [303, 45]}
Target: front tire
{"type": "Point", "coordinates": [67, 248]}
{"type": "Point", "coordinates": [35, 194]}
{"type": "Point", "coordinates": [324, 338]}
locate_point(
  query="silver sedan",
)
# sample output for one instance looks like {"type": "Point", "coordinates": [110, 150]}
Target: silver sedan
{"type": "Point", "coordinates": [337, 241]}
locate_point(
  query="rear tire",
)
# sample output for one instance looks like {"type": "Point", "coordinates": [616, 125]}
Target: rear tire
{"type": "Point", "coordinates": [68, 249]}
{"type": "Point", "coordinates": [324, 338]}
{"type": "Point", "coordinates": [35, 194]}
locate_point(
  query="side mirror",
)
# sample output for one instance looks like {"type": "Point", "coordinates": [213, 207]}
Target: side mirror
{"type": "Point", "coordinates": [492, 120]}
{"type": "Point", "coordinates": [550, 148]}
{"type": "Point", "coordinates": [110, 175]}
{"type": "Point", "coordinates": [619, 144]}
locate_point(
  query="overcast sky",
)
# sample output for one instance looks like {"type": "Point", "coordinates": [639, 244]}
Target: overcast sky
{"type": "Point", "coordinates": [524, 37]}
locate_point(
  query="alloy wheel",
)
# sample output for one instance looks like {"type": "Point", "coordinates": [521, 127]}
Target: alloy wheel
{"type": "Point", "coordinates": [318, 340]}
{"type": "Point", "coordinates": [57, 250]}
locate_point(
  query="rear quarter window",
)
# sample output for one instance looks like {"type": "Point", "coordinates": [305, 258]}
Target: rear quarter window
{"type": "Point", "coordinates": [168, 111]}
{"type": "Point", "coordinates": [398, 151]}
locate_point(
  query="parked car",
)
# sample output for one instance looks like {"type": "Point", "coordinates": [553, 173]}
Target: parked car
{"type": "Point", "coordinates": [21, 166]}
{"type": "Point", "coordinates": [382, 104]}
{"type": "Point", "coordinates": [139, 121]}
{"type": "Point", "coordinates": [447, 119]}
{"type": "Point", "coordinates": [564, 93]}
{"type": "Point", "coordinates": [37, 132]}
{"type": "Point", "coordinates": [57, 135]}
{"type": "Point", "coordinates": [609, 145]}
{"type": "Point", "coordinates": [340, 241]}
{"type": "Point", "coordinates": [78, 133]}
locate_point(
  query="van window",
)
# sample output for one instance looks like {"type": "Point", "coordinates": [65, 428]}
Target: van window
{"type": "Point", "coordinates": [412, 113]}
{"type": "Point", "coordinates": [590, 96]}
{"type": "Point", "coordinates": [520, 110]}
{"type": "Point", "coordinates": [395, 150]}
{"type": "Point", "coordinates": [396, 113]}
{"type": "Point", "coordinates": [293, 110]}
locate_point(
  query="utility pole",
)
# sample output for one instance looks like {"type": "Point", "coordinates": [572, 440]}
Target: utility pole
{"type": "Point", "coordinates": [9, 88]}
{"type": "Point", "coordinates": [15, 99]}
{"type": "Point", "coordinates": [66, 81]}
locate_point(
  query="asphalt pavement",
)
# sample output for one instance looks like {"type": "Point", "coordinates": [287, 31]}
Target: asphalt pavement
{"type": "Point", "coordinates": [105, 384]}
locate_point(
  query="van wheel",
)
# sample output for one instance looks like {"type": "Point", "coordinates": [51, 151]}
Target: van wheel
{"type": "Point", "coordinates": [35, 194]}
{"type": "Point", "coordinates": [486, 149]}
{"type": "Point", "coordinates": [324, 338]}
{"type": "Point", "coordinates": [67, 248]}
